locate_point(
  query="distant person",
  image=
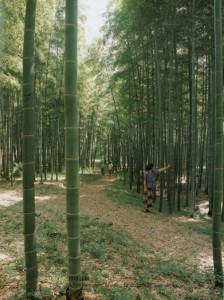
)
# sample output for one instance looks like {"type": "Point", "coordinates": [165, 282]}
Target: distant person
{"type": "Point", "coordinates": [17, 169]}
{"type": "Point", "coordinates": [102, 168]}
{"type": "Point", "coordinates": [110, 167]}
{"type": "Point", "coordinates": [150, 177]}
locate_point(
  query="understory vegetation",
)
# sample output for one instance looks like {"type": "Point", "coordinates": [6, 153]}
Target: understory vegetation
{"type": "Point", "coordinates": [114, 264]}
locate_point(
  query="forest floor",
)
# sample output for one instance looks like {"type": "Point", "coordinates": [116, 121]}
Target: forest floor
{"type": "Point", "coordinates": [127, 254]}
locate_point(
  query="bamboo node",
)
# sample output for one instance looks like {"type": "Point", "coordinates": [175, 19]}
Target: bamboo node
{"type": "Point", "coordinates": [27, 57]}
{"type": "Point", "coordinates": [71, 24]}
{"type": "Point", "coordinates": [75, 257]}
{"type": "Point", "coordinates": [27, 234]}
{"type": "Point", "coordinates": [74, 238]}
{"type": "Point", "coordinates": [75, 275]}
{"type": "Point", "coordinates": [74, 214]}
{"type": "Point", "coordinates": [30, 251]}
{"type": "Point", "coordinates": [71, 60]}
{"type": "Point", "coordinates": [31, 189]}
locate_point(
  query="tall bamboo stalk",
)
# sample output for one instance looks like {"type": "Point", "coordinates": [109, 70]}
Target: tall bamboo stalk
{"type": "Point", "coordinates": [28, 149]}
{"type": "Point", "coordinates": [74, 290]}
{"type": "Point", "coordinates": [218, 174]}
{"type": "Point", "coordinates": [171, 183]}
{"type": "Point", "coordinates": [160, 118]}
{"type": "Point", "coordinates": [193, 116]}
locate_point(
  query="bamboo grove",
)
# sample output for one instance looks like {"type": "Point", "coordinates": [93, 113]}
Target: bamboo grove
{"type": "Point", "coordinates": [163, 75]}
{"type": "Point", "coordinates": [147, 92]}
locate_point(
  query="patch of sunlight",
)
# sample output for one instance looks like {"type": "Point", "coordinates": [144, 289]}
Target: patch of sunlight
{"type": "Point", "coordinates": [205, 260]}
{"type": "Point", "coordinates": [45, 198]}
{"type": "Point", "coordinates": [49, 179]}
{"type": "Point", "coordinates": [52, 183]}
{"type": "Point", "coordinates": [184, 219]}
{"type": "Point", "coordinates": [182, 180]}
{"type": "Point", "coordinates": [10, 198]}
{"type": "Point", "coordinates": [204, 207]}
{"type": "Point", "coordinates": [98, 187]}
{"type": "Point", "coordinates": [4, 257]}
{"type": "Point", "coordinates": [61, 185]}
{"type": "Point", "coordinates": [18, 245]}
{"type": "Point", "coordinates": [110, 179]}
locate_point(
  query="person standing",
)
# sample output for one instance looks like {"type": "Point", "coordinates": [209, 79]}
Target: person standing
{"type": "Point", "coordinates": [150, 177]}
{"type": "Point", "coordinates": [110, 167]}
{"type": "Point", "coordinates": [102, 168]}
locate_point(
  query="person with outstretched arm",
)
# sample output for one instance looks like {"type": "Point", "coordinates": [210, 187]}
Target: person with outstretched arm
{"type": "Point", "coordinates": [150, 177]}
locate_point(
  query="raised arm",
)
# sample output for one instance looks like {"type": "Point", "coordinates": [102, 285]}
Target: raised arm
{"type": "Point", "coordinates": [164, 168]}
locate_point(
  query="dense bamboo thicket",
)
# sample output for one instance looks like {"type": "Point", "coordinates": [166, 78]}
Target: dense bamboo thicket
{"type": "Point", "coordinates": [146, 92]}
{"type": "Point", "coordinates": [149, 90]}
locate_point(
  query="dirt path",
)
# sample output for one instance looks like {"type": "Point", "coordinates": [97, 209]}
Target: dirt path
{"type": "Point", "coordinates": [161, 232]}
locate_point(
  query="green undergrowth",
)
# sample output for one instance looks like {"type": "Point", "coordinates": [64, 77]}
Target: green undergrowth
{"type": "Point", "coordinates": [121, 194]}
{"type": "Point", "coordinates": [88, 178]}
{"type": "Point", "coordinates": [114, 265]}
{"type": "Point", "coordinates": [125, 268]}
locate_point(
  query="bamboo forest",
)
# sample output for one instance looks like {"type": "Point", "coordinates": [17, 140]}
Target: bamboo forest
{"type": "Point", "coordinates": [111, 151]}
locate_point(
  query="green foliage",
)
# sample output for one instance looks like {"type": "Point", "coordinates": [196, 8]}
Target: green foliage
{"type": "Point", "coordinates": [118, 193]}
{"type": "Point", "coordinates": [145, 270]}
{"type": "Point", "coordinates": [117, 92]}
{"type": "Point", "coordinates": [87, 178]}
{"type": "Point", "coordinates": [200, 230]}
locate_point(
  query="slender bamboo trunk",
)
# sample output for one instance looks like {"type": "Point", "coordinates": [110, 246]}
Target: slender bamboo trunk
{"type": "Point", "coordinates": [193, 116]}
{"type": "Point", "coordinates": [28, 150]}
{"type": "Point", "coordinates": [74, 290]}
{"type": "Point", "coordinates": [7, 170]}
{"type": "Point", "coordinates": [160, 121]}
{"type": "Point", "coordinates": [211, 140]}
{"type": "Point", "coordinates": [171, 185]}
{"type": "Point", "coordinates": [218, 174]}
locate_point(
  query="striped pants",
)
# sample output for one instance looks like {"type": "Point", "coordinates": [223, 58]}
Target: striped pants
{"type": "Point", "coordinates": [147, 199]}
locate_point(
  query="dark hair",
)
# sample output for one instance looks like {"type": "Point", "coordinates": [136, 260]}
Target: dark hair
{"type": "Point", "coordinates": [149, 167]}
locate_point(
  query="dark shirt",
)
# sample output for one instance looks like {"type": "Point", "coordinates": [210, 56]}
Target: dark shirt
{"type": "Point", "coordinates": [150, 177]}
